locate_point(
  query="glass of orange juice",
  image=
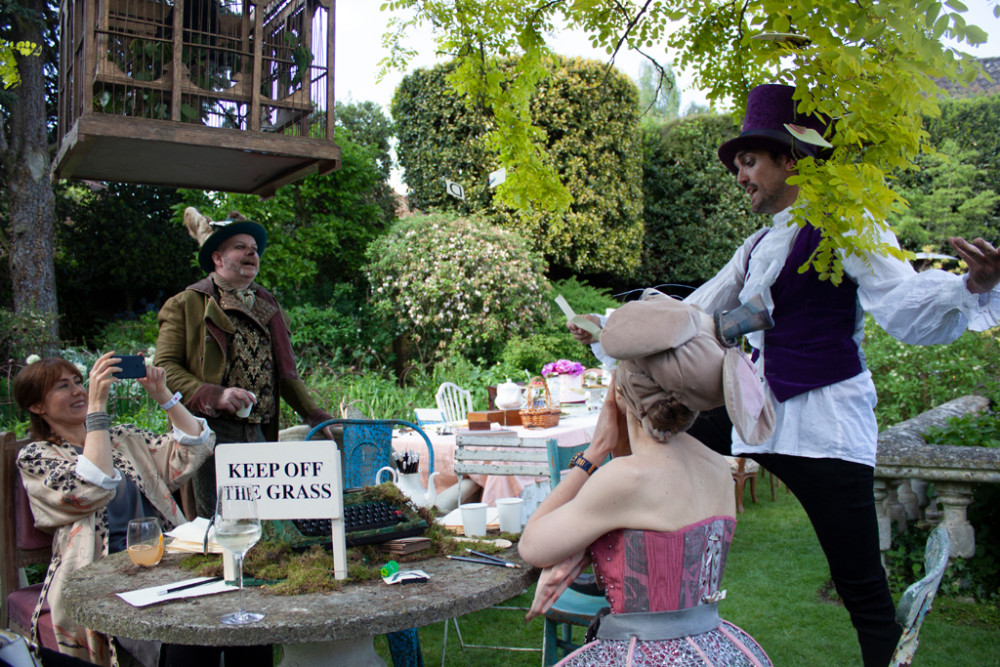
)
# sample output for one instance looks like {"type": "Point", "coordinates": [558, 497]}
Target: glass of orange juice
{"type": "Point", "coordinates": [145, 541]}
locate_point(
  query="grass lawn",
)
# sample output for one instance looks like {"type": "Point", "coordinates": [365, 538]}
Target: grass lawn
{"type": "Point", "coordinates": [775, 577]}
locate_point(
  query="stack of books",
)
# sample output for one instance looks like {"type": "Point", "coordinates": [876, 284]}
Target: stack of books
{"type": "Point", "coordinates": [406, 545]}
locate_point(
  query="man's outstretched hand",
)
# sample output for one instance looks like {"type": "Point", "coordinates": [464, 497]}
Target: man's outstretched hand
{"type": "Point", "coordinates": [983, 261]}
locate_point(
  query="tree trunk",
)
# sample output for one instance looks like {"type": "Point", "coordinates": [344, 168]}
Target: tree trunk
{"type": "Point", "coordinates": [29, 192]}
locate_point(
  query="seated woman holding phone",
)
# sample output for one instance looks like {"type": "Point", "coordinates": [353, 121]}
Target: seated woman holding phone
{"type": "Point", "coordinates": [86, 479]}
{"type": "Point", "coordinates": [657, 524]}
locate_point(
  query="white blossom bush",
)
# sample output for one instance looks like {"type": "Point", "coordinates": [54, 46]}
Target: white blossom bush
{"type": "Point", "coordinates": [456, 285]}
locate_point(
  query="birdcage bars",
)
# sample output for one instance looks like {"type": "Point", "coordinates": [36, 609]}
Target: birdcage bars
{"type": "Point", "coordinates": [213, 81]}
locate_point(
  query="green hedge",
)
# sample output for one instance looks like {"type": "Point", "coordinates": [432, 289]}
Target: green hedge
{"type": "Point", "coordinates": [589, 114]}
{"type": "Point", "coordinates": [695, 213]}
{"type": "Point", "coordinates": [972, 124]}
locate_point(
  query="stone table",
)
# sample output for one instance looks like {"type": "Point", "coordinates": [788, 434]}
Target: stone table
{"type": "Point", "coordinates": [316, 629]}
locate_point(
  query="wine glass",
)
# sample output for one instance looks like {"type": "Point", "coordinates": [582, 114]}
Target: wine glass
{"type": "Point", "coordinates": [144, 541]}
{"type": "Point", "coordinates": [237, 528]}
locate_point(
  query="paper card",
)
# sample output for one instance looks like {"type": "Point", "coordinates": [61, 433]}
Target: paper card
{"type": "Point", "coordinates": [407, 577]}
{"type": "Point", "coordinates": [497, 177]}
{"type": "Point", "coordinates": [578, 320]}
{"type": "Point", "coordinates": [808, 135]}
{"type": "Point", "coordinates": [454, 189]}
{"type": "Point", "coordinates": [147, 596]}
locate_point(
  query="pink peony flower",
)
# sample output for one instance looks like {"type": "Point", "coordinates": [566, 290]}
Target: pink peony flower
{"type": "Point", "coordinates": [562, 367]}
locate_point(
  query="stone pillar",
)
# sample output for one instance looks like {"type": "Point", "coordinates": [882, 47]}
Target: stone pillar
{"type": "Point", "coordinates": [909, 500]}
{"type": "Point", "coordinates": [893, 507]}
{"type": "Point", "coordinates": [954, 498]}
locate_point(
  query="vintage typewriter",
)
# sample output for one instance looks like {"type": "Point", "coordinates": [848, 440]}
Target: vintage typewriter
{"type": "Point", "coordinates": [366, 521]}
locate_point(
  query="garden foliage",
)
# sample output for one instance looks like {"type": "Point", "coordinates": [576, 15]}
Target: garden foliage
{"type": "Point", "coordinates": [118, 255]}
{"type": "Point", "coordinates": [456, 283]}
{"type": "Point", "coordinates": [9, 75]}
{"type": "Point", "coordinates": [972, 124]}
{"type": "Point", "coordinates": [318, 228]}
{"type": "Point", "coordinates": [695, 214]}
{"type": "Point", "coordinates": [947, 197]}
{"type": "Point", "coordinates": [910, 379]}
{"type": "Point", "coordinates": [870, 66]}
{"type": "Point", "coordinates": [343, 334]}
{"type": "Point", "coordinates": [526, 355]}
{"type": "Point", "coordinates": [588, 122]}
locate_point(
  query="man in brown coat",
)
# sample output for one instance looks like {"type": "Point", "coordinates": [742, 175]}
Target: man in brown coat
{"type": "Point", "coordinates": [225, 346]}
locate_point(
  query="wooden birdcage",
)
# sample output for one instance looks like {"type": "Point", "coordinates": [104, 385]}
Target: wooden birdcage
{"type": "Point", "coordinates": [227, 95]}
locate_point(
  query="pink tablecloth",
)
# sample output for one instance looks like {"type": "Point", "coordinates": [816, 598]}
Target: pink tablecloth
{"type": "Point", "coordinates": [576, 429]}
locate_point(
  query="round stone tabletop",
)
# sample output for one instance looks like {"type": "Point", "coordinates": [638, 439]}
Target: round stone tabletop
{"type": "Point", "coordinates": [359, 610]}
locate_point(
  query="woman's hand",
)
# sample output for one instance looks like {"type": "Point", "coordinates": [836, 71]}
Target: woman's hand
{"type": "Point", "coordinates": [101, 379]}
{"type": "Point", "coordinates": [554, 580]}
{"type": "Point", "coordinates": [155, 384]}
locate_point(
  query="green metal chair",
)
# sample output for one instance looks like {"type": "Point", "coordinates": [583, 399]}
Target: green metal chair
{"type": "Point", "coordinates": [572, 607]}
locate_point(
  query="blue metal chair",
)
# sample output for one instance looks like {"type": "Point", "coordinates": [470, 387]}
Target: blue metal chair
{"type": "Point", "coordinates": [916, 600]}
{"type": "Point", "coordinates": [367, 446]}
{"type": "Point", "coordinates": [572, 607]}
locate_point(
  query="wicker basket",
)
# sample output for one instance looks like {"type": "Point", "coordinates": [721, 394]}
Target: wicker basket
{"type": "Point", "coordinates": [546, 417]}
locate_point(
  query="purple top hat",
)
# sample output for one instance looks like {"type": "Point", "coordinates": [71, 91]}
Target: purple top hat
{"type": "Point", "coordinates": [770, 109]}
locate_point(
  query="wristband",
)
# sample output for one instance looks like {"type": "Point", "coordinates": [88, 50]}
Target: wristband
{"type": "Point", "coordinates": [174, 400]}
{"type": "Point", "coordinates": [583, 464]}
{"type": "Point", "coordinates": [98, 421]}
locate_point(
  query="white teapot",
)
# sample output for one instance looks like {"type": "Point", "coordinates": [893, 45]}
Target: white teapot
{"type": "Point", "coordinates": [409, 484]}
{"type": "Point", "coordinates": [508, 395]}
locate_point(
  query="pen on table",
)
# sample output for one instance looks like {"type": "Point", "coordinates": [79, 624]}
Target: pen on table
{"type": "Point", "coordinates": [496, 558]}
{"type": "Point", "coordinates": [184, 587]}
{"type": "Point", "coordinates": [483, 561]}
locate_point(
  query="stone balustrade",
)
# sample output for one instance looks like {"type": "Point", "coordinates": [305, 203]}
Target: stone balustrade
{"type": "Point", "coordinates": [905, 465]}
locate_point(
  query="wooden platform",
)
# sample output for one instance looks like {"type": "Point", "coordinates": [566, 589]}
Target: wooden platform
{"type": "Point", "coordinates": [186, 155]}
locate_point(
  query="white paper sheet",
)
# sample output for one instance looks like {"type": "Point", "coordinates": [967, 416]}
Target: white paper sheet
{"type": "Point", "coordinates": [147, 596]}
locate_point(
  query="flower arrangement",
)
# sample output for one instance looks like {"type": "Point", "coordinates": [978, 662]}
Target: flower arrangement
{"type": "Point", "coordinates": [562, 367]}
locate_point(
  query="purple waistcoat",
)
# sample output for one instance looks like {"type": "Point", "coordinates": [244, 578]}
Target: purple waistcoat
{"type": "Point", "coordinates": [811, 344]}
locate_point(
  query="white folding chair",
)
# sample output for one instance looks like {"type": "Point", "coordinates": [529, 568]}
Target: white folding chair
{"type": "Point", "coordinates": [454, 403]}
{"type": "Point", "coordinates": [478, 455]}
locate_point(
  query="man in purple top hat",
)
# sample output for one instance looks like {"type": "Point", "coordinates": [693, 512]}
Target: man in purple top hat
{"type": "Point", "coordinates": [824, 441]}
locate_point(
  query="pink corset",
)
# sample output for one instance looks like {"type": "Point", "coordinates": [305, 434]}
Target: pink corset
{"type": "Point", "coordinates": [662, 571]}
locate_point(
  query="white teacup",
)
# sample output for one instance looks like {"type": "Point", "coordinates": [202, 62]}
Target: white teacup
{"type": "Point", "coordinates": [244, 412]}
{"type": "Point", "coordinates": [509, 510]}
{"type": "Point", "coordinates": [473, 519]}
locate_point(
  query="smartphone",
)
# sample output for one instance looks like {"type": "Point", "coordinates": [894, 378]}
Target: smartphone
{"type": "Point", "coordinates": [131, 365]}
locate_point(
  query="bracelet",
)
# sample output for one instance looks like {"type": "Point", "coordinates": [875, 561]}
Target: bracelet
{"type": "Point", "coordinates": [98, 421]}
{"type": "Point", "coordinates": [174, 400]}
{"type": "Point", "coordinates": [583, 464]}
